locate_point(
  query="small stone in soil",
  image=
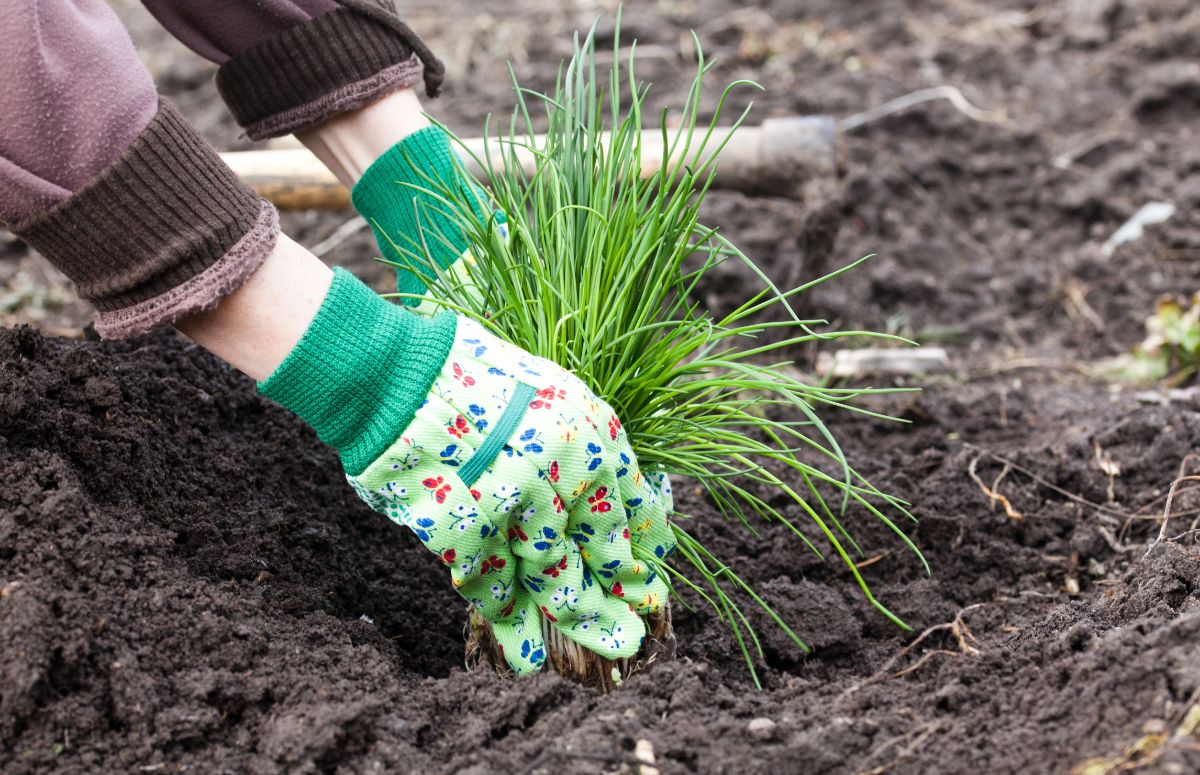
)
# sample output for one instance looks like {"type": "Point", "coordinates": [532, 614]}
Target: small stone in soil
{"type": "Point", "coordinates": [761, 729]}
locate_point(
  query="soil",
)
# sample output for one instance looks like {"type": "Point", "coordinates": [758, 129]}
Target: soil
{"type": "Point", "coordinates": [187, 584]}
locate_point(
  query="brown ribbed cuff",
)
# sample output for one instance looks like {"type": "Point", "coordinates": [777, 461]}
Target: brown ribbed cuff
{"type": "Point", "coordinates": [310, 72]}
{"type": "Point", "coordinates": [165, 230]}
{"type": "Point", "coordinates": [202, 292]}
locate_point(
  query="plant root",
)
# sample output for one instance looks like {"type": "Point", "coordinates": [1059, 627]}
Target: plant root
{"type": "Point", "coordinates": [569, 659]}
{"type": "Point", "coordinates": [1103, 510]}
{"type": "Point", "coordinates": [1077, 308]}
{"type": "Point", "coordinates": [993, 494]}
{"type": "Point", "coordinates": [945, 92]}
{"type": "Point", "coordinates": [918, 738]}
{"type": "Point", "coordinates": [1179, 479]}
{"type": "Point", "coordinates": [958, 629]}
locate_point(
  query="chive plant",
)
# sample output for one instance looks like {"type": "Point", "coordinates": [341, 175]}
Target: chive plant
{"type": "Point", "coordinates": [596, 270]}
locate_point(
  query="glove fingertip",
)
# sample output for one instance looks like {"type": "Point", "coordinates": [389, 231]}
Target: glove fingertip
{"type": "Point", "coordinates": [525, 665]}
{"type": "Point", "coordinates": [520, 640]}
{"type": "Point", "coordinates": [626, 637]}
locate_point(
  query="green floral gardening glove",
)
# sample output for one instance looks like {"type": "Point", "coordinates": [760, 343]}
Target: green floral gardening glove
{"type": "Point", "coordinates": [505, 465]}
{"type": "Point", "coordinates": [407, 218]}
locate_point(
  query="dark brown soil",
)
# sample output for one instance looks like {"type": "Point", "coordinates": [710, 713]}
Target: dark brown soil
{"type": "Point", "coordinates": [187, 584]}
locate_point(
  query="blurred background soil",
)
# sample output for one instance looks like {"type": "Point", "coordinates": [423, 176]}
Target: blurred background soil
{"type": "Point", "coordinates": [186, 583]}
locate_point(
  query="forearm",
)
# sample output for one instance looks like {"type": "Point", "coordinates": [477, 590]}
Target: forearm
{"type": "Point", "coordinates": [255, 327]}
{"type": "Point", "coordinates": [405, 179]}
{"type": "Point", "coordinates": [339, 74]}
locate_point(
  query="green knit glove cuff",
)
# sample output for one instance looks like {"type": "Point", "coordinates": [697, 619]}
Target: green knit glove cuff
{"type": "Point", "coordinates": [411, 219]}
{"type": "Point", "coordinates": [361, 370]}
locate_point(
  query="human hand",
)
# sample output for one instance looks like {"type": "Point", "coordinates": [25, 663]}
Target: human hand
{"type": "Point", "coordinates": [400, 195]}
{"type": "Point", "coordinates": [524, 484]}
{"type": "Point", "coordinates": [505, 465]}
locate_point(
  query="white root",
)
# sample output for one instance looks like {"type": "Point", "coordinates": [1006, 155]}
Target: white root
{"type": "Point", "coordinates": [945, 92]}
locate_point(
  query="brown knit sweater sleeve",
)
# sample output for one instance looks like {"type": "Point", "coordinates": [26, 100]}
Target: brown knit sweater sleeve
{"type": "Point", "coordinates": [165, 230]}
{"type": "Point", "coordinates": [305, 74]}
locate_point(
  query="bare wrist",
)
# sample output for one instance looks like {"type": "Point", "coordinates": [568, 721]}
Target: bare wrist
{"type": "Point", "coordinates": [255, 327]}
{"type": "Point", "coordinates": [348, 143]}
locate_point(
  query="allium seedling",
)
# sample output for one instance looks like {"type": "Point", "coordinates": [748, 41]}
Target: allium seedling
{"type": "Point", "coordinates": [596, 269]}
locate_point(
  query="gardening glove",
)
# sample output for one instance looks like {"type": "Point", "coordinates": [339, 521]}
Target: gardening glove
{"type": "Point", "coordinates": [505, 465]}
{"type": "Point", "coordinates": [408, 219]}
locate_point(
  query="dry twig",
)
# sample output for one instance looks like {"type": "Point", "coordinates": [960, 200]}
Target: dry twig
{"type": "Point", "coordinates": [1078, 307]}
{"type": "Point", "coordinates": [339, 235]}
{"type": "Point", "coordinates": [1180, 734]}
